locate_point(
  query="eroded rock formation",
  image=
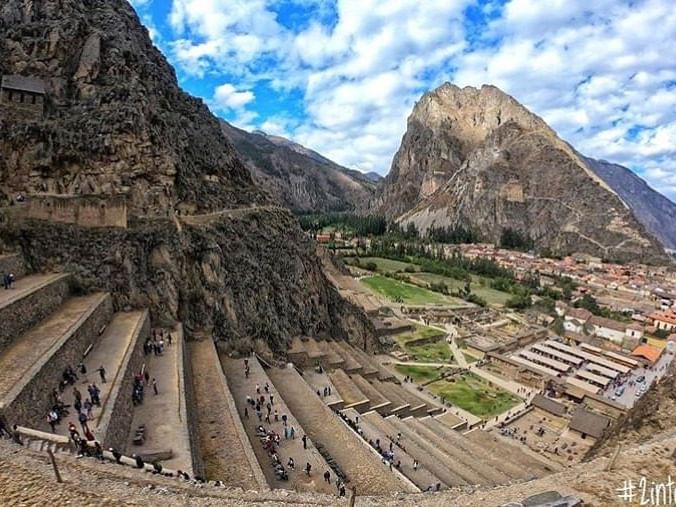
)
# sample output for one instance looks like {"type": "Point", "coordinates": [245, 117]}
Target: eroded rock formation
{"type": "Point", "coordinates": [477, 157]}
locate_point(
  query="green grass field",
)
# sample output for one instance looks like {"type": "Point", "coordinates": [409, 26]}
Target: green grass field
{"type": "Point", "coordinates": [384, 265]}
{"type": "Point", "coordinates": [479, 286]}
{"type": "Point", "coordinates": [406, 293]}
{"type": "Point", "coordinates": [436, 352]}
{"type": "Point", "coordinates": [472, 393]}
{"type": "Point", "coordinates": [419, 373]}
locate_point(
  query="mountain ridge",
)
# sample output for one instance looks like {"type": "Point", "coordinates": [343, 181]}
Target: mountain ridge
{"type": "Point", "coordinates": [297, 177]}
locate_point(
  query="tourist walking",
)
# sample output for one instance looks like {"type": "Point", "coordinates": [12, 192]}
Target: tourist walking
{"type": "Point", "coordinates": [102, 373]}
{"type": "Point", "coordinates": [155, 387]}
{"type": "Point", "coordinates": [308, 468]}
{"type": "Point", "coordinates": [304, 441]}
{"type": "Point", "coordinates": [327, 476]}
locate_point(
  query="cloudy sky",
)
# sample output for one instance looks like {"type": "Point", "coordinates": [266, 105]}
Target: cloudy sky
{"type": "Point", "coordinates": [341, 76]}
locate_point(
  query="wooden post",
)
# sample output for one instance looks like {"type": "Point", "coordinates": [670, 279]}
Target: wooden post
{"type": "Point", "coordinates": [56, 469]}
{"type": "Point", "coordinates": [353, 496]}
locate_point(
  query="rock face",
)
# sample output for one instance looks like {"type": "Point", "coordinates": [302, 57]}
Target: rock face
{"type": "Point", "coordinates": [297, 177]}
{"type": "Point", "coordinates": [477, 157]}
{"type": "Point", "coordinates": [115, 121]}
{"type": "Point", "coordinates": [652, 209]}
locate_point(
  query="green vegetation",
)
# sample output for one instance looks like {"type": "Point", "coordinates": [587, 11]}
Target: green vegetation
{"type": "Point", "coordinates": [588, 302]}
{"type": "Point", "coordinates": [469, 357]}
{"type": "Point", "coordinates": [382, 265]}
{"type": "Point", "coordinates": [472, 393]}
{"type": "Point", "coordinates": [513, 239]}
{"type": "Point", "coordinates": [406, 293]}
{"type": "Point", "coordinates": [361, 225]}
{"type": "Point", "coordinates": [418, 333]}
{"type": "Point", "coordinates": [436, 352]}
{"type": "Point", "coordinates": [478, 286]}
{"type": "Point", "coordinates": [419, 374]}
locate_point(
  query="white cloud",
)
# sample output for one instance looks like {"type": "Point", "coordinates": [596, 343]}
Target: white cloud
{"type": "Point", "coordinates": [226, 96]}
{"type": "Point", "coordinates": [601, 73]}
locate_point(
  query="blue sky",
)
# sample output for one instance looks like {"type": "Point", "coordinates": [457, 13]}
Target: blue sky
{"type": "Point", "coordinates": [341, 76]}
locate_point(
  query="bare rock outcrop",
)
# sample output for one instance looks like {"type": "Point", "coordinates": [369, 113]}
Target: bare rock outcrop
{"type": "Point", "coordinates": [479, 158]}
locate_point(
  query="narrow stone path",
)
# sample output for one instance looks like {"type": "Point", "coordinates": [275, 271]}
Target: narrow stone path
{"type": "Point", "coordinates": [166, 427]}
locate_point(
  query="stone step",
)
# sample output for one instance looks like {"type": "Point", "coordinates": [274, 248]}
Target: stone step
{"type": "Point", "coordinates": [419, 407]}
{"type": "Point", "coordinates": [399, 405]}
{"type": "Point", "coordinates": [333, 360]}
{"type": "Point", "coordinates": [35, 361]}
{"type": "Point", "coordinates": [377, 401]}
{"type": "Point", "coordinates": [534, 467]}
{"type": "Point", "coordinates": [369, 362]}
{"type": "Point", "coordinates": [350, 452]}
{"type": "Point", "coordinates": [422, 477]}
{"type": "Point", "coordinates": [349, 392]}
{"type": "Point", "coordinates": [449, 472]}
{"type": "Point", "coordinates": [479, 452]}
{"type": "Point", "coordinates": [120, 351]}
{"type": "Point", "coordinates": [226, 454]}
{"type": "Point", "coordinates": [481, 474]}
{"type": "Point", "coordinates": [350, 364]}
{"type": "Point", "coordinates": [411, 448]}
{"type": "Point", "coordinates": [368, 370]}
{"type": "Point", "coordinates": [31, 300]}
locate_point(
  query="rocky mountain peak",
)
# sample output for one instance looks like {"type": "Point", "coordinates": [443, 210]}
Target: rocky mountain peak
{"type": "Point", "coordinates": [479, 158]}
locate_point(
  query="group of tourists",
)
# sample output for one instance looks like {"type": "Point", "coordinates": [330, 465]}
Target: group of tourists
{"type": "Point", "coordinates": [155, 344]}
{"type": "Point", "coordinates": [263, 403]}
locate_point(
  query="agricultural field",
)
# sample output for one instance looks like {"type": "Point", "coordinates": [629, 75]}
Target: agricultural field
{"type": "Point", "coordinates": [480, 286]}
{"type": "Point", "coordinates": [384, 265]}
{"type": "Point", "coordinates": [436, 352]}
{"type": "Point", "coordinates": [419, 374]}
{"type": "Point", "coordinates": [405, 293]}
{"type": "Point", "coordinates": [472, 393]}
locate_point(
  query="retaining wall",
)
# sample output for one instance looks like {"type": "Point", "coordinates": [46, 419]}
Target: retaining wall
{"type": "Point", "coordinates": [188, 404]}
{"type": "Point", "coordinates": [20, 315]}
{"type": "Point", "coordinates": [12, 263]}
{"type": "Point", "coordinates": [118, 414]}
{"type": "Point", "coordinates": [29, 400]}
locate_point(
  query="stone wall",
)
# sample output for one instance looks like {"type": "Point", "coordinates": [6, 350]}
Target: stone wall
{"type": "Point", "coordinates": [20, 315]}
{"type": "Point", "coordinates": [189, 405]}
{"type": "Point", "coordinates": [118, 413]}
{"type": "Point", "coordinates": [82, 210]}
{"type": "Point", "coordinates": [30, 400]}
{"type": "Point", "coordinates": [12, 263]}
{"type": "Point", "coordinates": [21, 106]}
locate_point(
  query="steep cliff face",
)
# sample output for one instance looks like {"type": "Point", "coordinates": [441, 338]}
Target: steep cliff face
{"type": "Point", "coordinates": [115, 120]}
{"type": "Point", "coordinates": [652, 209]}
{"type": "Point", "coordinates": [477, 157]}
{"type": "Point", "coordinates": [296, 177]}
{"type": "Point", "coordinates": [244, 274]}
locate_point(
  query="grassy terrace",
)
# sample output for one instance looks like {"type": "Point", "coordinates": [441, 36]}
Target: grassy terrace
{"type": "Point", "coordinates": [479, 285]}
{"type": "Point", "coordinates": [434, 352]}
{"type": "Point", "coordinates": [472, 393]}
{"type": "Point", "coordinates": [402, 292]}
{"type": "Point", "coordinates": [419, 374]}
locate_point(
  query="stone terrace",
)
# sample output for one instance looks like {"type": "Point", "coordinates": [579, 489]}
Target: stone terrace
{"type": "Point", "coordinates": [34, 362]}
{"type": "Point", "coordinates": [359, 462]}
{"type": "Point", "coordinates": [242, 387]}
{"type": "Point", "coordinates": [226, 453]}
